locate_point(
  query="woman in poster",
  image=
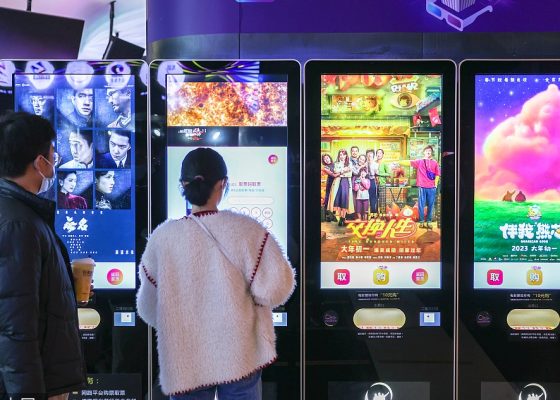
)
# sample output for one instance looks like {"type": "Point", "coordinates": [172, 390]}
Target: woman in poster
{"type": "Point", "coordinates": [372, 171]}
{"type": "Point", "coordinates": [67, 181]}
{"type": "Point", "coordinates": [341, 199]}
{"type": "Point", "coordinates": [327, 168]}
{"type": "Point", "coordinates": [104, 184]}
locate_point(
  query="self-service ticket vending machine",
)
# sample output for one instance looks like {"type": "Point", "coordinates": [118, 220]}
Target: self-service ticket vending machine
{"type": "Point", "coordinates": [379, 230]}
{"type": "Point", "coordinates": [98, 110]}
{"type": "Point", "coordinates": [509, 230]}
{"type": "Point", "coordinates": [248, 111]}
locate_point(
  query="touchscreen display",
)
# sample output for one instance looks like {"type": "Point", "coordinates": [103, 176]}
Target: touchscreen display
{"type": "Point", "coordinates": [517, 182]}
{"type": "Point", "coordinates": [381, 139]}
{"type": "Point", "coordinates": [93, 116]}
{"type": "Point", "coordinates": [247, 123]}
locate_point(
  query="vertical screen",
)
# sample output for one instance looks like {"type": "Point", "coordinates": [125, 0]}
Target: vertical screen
{"type": "Point", "coordinates": [508, 248]}
{"type": "Point", "coordinates": [249, 112]}
{"type": "Point", "coordinates": [381, 140]}
{"type": "Point", "coordinates": [94, 188]}
{"type": "Point", "coordinates": [379, 212]}
{"type": "Point", "coordinates": [517, 181]}
{"type": "Point", "coordinates": [247, 123]}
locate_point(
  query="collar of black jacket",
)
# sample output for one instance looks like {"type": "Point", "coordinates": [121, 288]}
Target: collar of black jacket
{"type": "Point", "coordinates": [43, 207]}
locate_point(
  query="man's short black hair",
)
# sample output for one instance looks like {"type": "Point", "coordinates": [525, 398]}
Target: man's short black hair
{"type": "Point", "coordinates": [76, 91]}
{"type": "Point", "coordinates": [23, 137]}
{"type": "Point", "coordinates": [86, 134]}
{"type": "Point", "coordinates": [126, 134]}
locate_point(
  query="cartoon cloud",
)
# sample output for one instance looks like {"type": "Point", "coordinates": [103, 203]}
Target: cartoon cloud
{"type": "Point", "coordinates": [522, 152]}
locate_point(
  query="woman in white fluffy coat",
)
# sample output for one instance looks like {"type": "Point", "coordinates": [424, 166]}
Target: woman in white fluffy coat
{"type": "Point", "coordinates": [212, 306]}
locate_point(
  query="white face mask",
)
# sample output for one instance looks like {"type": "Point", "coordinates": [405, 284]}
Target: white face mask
{"type": "Point", "coordinates": [47, 183]}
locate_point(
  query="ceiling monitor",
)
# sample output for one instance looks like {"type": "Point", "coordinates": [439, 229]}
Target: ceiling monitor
{"type": "Point", "coordinates": [25, 34]}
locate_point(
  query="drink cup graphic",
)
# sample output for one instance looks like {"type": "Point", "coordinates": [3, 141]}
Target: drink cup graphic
{"type": "Point", "coordinates": [82, 270]}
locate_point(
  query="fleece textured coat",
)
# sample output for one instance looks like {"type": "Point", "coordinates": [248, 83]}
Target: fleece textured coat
{"type": "Point", "coordinates": [213, 319]}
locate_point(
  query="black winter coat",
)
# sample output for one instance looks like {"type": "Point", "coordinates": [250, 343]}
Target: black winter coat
{"type": "Point", "coordinates": [40, 349]}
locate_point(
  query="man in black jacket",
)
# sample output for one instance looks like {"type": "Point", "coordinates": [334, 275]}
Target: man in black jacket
{"type": "Point", "coordinates": [40, 349]}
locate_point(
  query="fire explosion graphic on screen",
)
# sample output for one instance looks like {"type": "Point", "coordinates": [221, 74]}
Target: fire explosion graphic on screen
{"type": "Point", "coordinates": [228, 104]}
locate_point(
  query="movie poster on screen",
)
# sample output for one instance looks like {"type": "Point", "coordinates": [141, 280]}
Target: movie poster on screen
{"type": "Point", "coordinates": [380, 173]}
{"type": "Point", "coordinates": [94, 175]}
{"type": "Point", "coordinates": [517, 181]}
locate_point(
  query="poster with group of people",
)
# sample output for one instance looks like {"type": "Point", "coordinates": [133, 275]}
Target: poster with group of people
{"type": "Point", "coordinates": [93, 117]}
{"type": "Point", "coordinates": [94, 124]}
{"type": "Point", "coordinates": [380, 173]}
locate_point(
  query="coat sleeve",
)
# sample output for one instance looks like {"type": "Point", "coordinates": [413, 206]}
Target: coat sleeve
{"type": "Point", "coordinates": [273, 280]}
{"type": "Point", "coordinates": [146, 300]}
{"type": "Point", "coordinates": [20, 274]}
